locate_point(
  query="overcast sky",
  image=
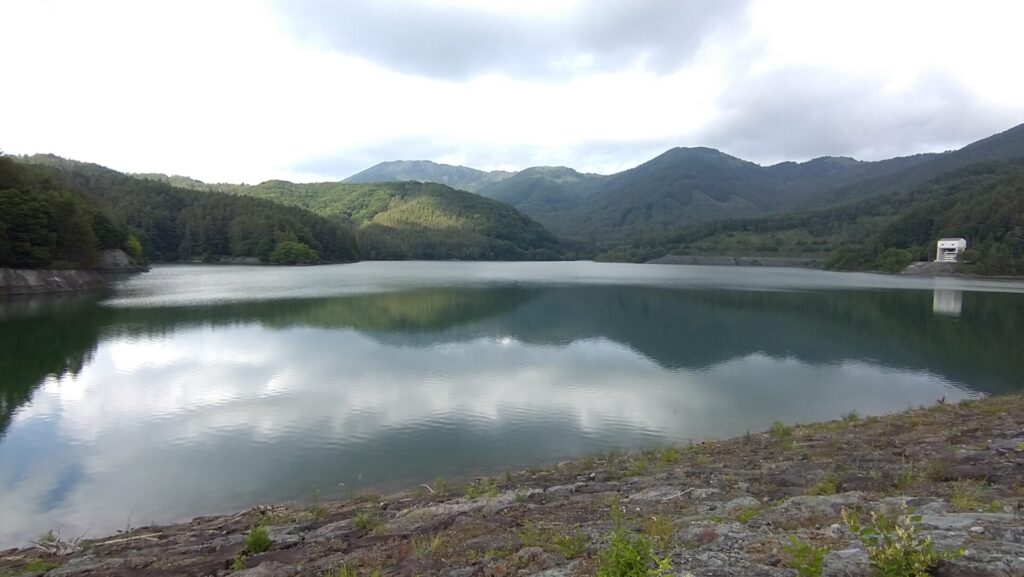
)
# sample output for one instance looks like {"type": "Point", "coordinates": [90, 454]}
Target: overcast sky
{"type": "Point", "coordinates": [244, 91]}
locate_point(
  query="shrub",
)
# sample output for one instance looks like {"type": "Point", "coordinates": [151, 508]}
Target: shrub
{"type": "Point", "coordinates": [572, 544]}
{"type": "Point", "coordinates": [257, 541]}
{"type": "Point", "coordinates": [366, 521]}
{"type": "Point", "coordinates": [293, 252]}
{"type": "Point", "coordinates": [806, 558]}
{"type": "Point", "coordinates": [629, 554]}
{"type": "Point", "coordinates": [827, 486]}
{"type": "Point", "coordinates": [781, 431]}
{"type": "Point", "coordinates": [893, 546]}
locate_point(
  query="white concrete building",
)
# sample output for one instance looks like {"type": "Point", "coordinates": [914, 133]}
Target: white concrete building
{"type": "Point", "coordinates": [949, 248]}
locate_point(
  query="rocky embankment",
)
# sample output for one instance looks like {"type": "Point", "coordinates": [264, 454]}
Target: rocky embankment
{"type": "Point", "coordinates": [15, 281]}
{"type": "Point", "coordinates": [32, 281]}
{"type": "Point", "coordinates": [724, 508]}
{"type": "Point", "coordinates": [737, 261]}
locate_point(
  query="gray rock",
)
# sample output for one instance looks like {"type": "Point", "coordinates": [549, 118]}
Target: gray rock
{"type": "Point", "coordinates": [662, 493]}
{"type": "Point", "coordinates": [703, 493]}
{"type": "Point", "coordinates": [809, 511]}
{"type": "Point", "coordinates": [961, 472]}
{"type": "Point", "coordinates": [112, 259]}
{"type": "Point", "coordinates": [591, 488]}
{"type": "Point", "coordinates": [335, 530]}
{"type": "Point", "coordinates": [86, 565]}
{"type": "Point", "coordinates": [267, 569]}
{"type": "Point", "coordinates": [559, 491]}
{"type": "Point", "coordinates": [963, 520]}
{"type": "Point", "coordinates": [986, 560]}
{"type": "Point", "coordinates": [740, 503]}
{"type": "Point", "coordinates": [1007, 445]}
{"type": "Point", "coordinates": [558, 571]}
{"type": "Point", "coordinates": [285, 535]}
{"type": "Point", "coordinates": [847, 563]}
{"type": "Point", "coordinates": [534, 557]}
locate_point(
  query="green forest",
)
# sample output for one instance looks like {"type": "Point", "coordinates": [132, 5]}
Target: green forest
{"type": "Point", "coordinates": [47, 224]}
{"type": "Point", "coordinates": [153, 220]}
{"type": "Point", "coordinates": [983, 203]}
{"type": "Point", "coordinates": [414, 220]}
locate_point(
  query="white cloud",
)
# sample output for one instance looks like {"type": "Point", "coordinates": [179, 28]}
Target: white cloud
{"type": "Point", "coordinates": [242, 91]}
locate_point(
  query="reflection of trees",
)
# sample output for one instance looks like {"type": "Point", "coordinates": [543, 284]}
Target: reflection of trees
{"type": "Point", "coordinates": [678, 329]}
{"type": "Point", "coordinates": [697, 329]}
{"type": "Point", "coordinates": [40, 337]}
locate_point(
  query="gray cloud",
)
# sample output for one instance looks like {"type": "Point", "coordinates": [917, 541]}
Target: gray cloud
{"type": "Point", "coordinates": [442, 42]}
{"type": "Point", "coordinates": [796, 114]}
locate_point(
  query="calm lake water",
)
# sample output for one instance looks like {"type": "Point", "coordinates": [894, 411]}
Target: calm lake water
{"type": "Point", "coordinates": [199, 389]}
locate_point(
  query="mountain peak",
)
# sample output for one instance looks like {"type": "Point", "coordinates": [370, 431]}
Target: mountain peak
{"type": "Point", "coordinates": [460, 177]}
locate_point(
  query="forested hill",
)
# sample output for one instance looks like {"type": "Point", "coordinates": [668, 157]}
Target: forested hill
{"type": "Point", "coordinates": [459, 177]}
{"type": "Point", "coordinates": [44, 223]}
{"type": "Point", "coordinates": [983, 203]}
{"type": "Point", "coordinates": [692, 185]}
{"type": "Point", "coordinates": [175, 224]}
{"type": "Point", "coordinates": [401, 220]}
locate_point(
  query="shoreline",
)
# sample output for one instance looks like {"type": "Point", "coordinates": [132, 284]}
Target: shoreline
{"type": "Point", "coordinates": [715, 508]}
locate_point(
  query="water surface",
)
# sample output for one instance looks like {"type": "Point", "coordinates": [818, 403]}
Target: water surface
{"type": "Point", "coordinates": [198, 389]}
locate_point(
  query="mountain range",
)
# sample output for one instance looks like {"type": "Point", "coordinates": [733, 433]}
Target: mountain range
{"type": "Point", "coordinates": [852, 214]}
{"type": "Point", "coordinates": [684, 186]}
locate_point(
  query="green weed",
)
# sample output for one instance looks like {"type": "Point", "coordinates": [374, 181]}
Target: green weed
{"type": "Point", "coordinates": [747, 514]}
{"type": "Point", "coordinates": [367, 521]}
{"type": "Point", "coordinates": [571, 544]}
{"type": "Point", "coordinates": [807, 559]}
{"type": "Point", "coordinates": [781, 431]}
{"type": "Point", "coordinates": [257, 541]}
{"type": "Point", "coordinates": [661, 529]}
{"type": "Point", "coordinates": [631, 555]}
{"type": "Point", "coordinates": [966, 496]}
{"type": "Point", "coordinates": [893, 546]}
{"type": "Point", "coordinates": [826, 486]}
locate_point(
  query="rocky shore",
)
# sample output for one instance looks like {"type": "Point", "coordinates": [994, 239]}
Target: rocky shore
{"type": "Point", "coordinates": [774, 261]}
{"type": "Point", "coordinates": [952, 474]}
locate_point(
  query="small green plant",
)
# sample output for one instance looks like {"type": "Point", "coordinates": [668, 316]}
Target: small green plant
{"type": "Point", "coordinates": [38, 566]}
{"type": "Point", "coordinates": [349, 571]}
{"type": "Point", "coordinates": [807, 559]}
{"type": "Point", "coordinates": [966, 496]}
{"type": "Point", "coordinates": [1020, 446]}
{"type": "Point", "coordinates": [669, 455]}
{"type": "Point", "coordinates": [257, 541]}
{"type": "Point", "coordinates": [893, 546]}
{"type": "Point", "coordinates": [829, 485]}
{"type": "Point", "coordinates": [936, 470]}
{"type": "Point", "coordinates": [533, 535]}
{"type": "Point", "coordinates": [747, 514]}
{"type": "Point", "coordinates": [430, 546]}
{"type": "Point", "coordinates": [239, 563]}
{"type": "Point", "coordinates": [781, 431]}
{"type": "Point", "coordinates": [572, 544]}
{"type": "Point", "coordinates": [852, 417]}
{"type": "Point", "coordinates": [367, 521]}
{"type": "Point", "coordinates": [480, 488]}
{"type": "Point", "coordinates": [907, 477]}
{"type": "Point", "coordinates": [639, 466]}
{"type": "Point", "coordinates": [661, 529]}
{"type": "Point", "coordinates": [631, 555]}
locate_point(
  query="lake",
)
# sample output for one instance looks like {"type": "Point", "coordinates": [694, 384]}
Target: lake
{"type": "Point", "coordinates": [192, 390]}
